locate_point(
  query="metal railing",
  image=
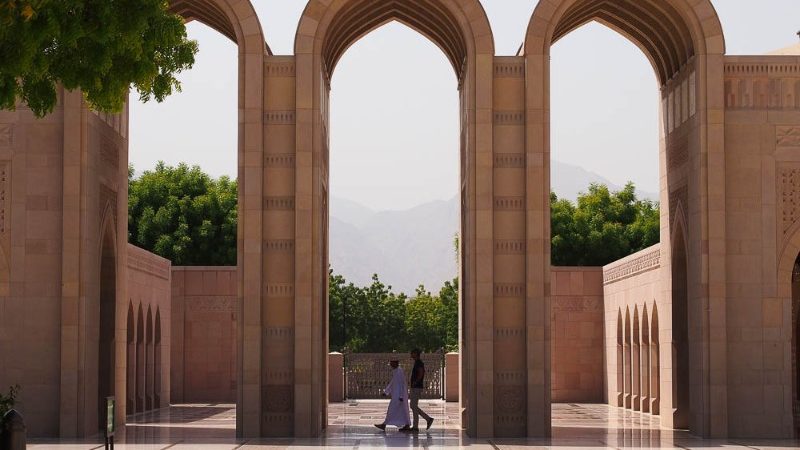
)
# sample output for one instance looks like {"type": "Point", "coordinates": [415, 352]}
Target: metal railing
{"type": "Point", "coordinates": [366, 374]}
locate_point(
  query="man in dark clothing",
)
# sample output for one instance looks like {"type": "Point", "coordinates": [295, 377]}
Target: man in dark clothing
{"type": "Point", "coordinates": [417, 384]}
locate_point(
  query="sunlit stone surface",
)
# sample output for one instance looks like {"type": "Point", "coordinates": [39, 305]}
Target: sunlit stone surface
{"type": "Point", "coordinates": [574, 426]}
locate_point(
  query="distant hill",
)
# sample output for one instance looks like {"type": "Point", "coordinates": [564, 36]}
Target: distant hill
{"type": "Point", "coordinates": [414, 246]}
{"type": "Point", "coordinates": [568, 180]}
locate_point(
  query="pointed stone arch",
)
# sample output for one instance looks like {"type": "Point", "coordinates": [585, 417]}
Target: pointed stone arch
{"type": "Point", "coordinates": [130, 362]}
{"type": "Point", "coordinates": [106, 315]}
{"type": "Point", "coordinates": [636, 365]}
{"type": "Point", "coordinates": [684, 42]}
{"type": "Point", "coordinates": [149, 362]}
{"type": "Point", "coordinates": [140, 361]}
{"type": "Point", "coordinates": [788, 298]}
{"type": "Point", "coordinates": [628, 371]}
{"type": "Point", "coordinates": [620, 361]}
{"type": "Point", "coordinates": [644, 358]}
{"type": "Point", "coordinates": [158, 363]}
{"type": "Point", "coordinates": [461, 30]}
{"type": "Point", "coordinates": [669, 32]}
{"type": "Point", "coordinates": [655, 364]}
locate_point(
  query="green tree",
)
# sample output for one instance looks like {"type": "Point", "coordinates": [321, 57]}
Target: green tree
{"type": "Point", "coordinates": [184, 215]}
{"type": "Point", "coordinates": [448, 296]}
{"type": "Point", "coordinates": [603, 227]}
{"type": "Point", "coordinates": [424, 321]}
{"type": "Point", "coordinates": [365, 319]}
{"type": "Point", "coordinates": [432, 320]}
{"type": "Point", "coordinates": [103, 47]}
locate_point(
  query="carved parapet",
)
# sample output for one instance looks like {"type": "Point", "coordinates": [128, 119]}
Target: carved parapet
{"type": "Point", "coordinates": [640, 262]}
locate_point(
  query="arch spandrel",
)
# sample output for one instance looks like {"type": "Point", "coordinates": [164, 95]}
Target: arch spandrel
{"type": "Point", "coordinates": [319, 15]}
{"type": "Point", "coordinates": [235, 19]}
{"type": "Point", "coordinates": [658, 24]}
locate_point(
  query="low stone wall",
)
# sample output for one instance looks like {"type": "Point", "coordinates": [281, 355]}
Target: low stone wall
{"type": "Point", "coordinates": [632, 293]}
{"type": "Point", "coordinates": [577, 334]}
{"type": "Point", "coordinates": [204, 334]}
{"type": "Point", "coordinates": [148, 331]}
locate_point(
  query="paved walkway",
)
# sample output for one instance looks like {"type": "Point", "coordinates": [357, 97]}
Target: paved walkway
{"type": "Point", "coordinates": [574, 426]}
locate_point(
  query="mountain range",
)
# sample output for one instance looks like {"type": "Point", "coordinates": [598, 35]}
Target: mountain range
{"type": "Point", "coordinates": [416, 246]}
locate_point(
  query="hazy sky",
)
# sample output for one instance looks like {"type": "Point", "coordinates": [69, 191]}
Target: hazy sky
{"type": "Point", "coordinates": [394, 103]}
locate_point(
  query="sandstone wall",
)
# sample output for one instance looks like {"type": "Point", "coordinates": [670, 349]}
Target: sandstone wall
{"type": "Point", "coordinates": [762, 208]}
{"type": "Point", "coordinates": [632, 291]}
{"type": "Point", "coordinates": [204, 334]}
{"type": "Point", "coordinates": [577, 334]}
{"type": "Point", "coordinates": [148, 343]}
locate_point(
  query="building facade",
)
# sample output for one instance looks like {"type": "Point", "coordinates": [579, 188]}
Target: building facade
{"type": "Point", "coordinates": [729, 170]}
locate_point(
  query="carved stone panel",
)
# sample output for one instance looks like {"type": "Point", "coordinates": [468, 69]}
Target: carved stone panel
{"type": "Point", "coordinates": [789, 196]}
{"type": "Point", "coordinates": [787, 137]}
{"type": "Point", "coordinates": [6, 135]}
{"type": "Point", "coordinates": [5, 195]}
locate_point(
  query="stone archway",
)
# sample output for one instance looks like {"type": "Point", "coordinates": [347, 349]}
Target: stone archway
{"type": "Point", "coordinates": [788, 298]}
{"type": "Point", "coordinates": [106, 320]}
{"type": "Point", "coordinates": [462, 31]}
{"type": "Point", "coordinates": [684, 42]}
{"type": "Point", "coordinates": [238, 21]}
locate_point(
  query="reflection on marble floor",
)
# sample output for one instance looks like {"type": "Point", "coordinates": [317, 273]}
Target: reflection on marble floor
{"type": "Point", "coordinates": [350, 426]}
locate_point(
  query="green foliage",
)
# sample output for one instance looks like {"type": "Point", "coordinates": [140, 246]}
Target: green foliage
{"type": "Point", "coordinates": [182, 214]}
{"type": "Point", "coordinates": [603, 227]}
{"type": "Point", "coordinates": [7, 401]}
{"type": "Point", "coordinates": [102, 47]}
{"type": "Point", "coordinates": [374, 319]}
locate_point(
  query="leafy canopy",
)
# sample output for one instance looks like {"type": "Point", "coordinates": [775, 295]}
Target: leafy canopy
{"type": "Point", "coordinates": [182, 214]}
{"type": "Point", "coordinates": [102, 47]}
{"type": "Point", "coordinates": [374, 319]}
{"type": "Point", "coordinates": [603, 227]}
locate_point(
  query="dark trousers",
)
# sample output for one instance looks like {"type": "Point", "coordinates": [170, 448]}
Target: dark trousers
{"type": "Point", "coordinates": [416, 393]}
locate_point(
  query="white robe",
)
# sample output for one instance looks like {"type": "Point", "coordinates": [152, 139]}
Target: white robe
{"type": "Point", "coordinates": [397, 414]}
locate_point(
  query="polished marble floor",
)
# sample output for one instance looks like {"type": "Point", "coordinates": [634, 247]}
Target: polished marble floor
{"type": "Point", "coordinates": [575, 426]}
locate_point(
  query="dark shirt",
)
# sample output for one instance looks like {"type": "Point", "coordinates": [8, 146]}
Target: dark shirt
{"type": "Point", "coordinates": [418, 375]}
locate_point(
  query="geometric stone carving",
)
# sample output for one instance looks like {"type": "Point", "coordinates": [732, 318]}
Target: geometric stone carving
{"type": "Point", "coordinates": [677, 149]}
{"type": "Point", "coordinates": [509, 203]}
{"type": "Point", "coordinates": [762, 86]}
{"type": "Point", "coordinates": [278, 333]}
{"type": "Point", "coordinates": [109, 154]}
{"type": "Point", "coordinates": [510, 377]}
{"type": "Point", "coordinates": [509, 69]}
{"type": "Point", "coordinates": [279, 290]}
{"type": "Point", "coordinates": [6, 135]}
{"type": "Point", "coordinates": [106, 199]}
{"type": "Point", "coordinates": [279, 203]}
{"type": "Point", "coordinates": [508, 333]}
{"type": "Point", "coordinates": [509, 399]}
{"type": "Point", "coordinates": [787, 137]}
{"type": "Point", "coordinates": [509, 247]}
{"type": "Point", "coordinates": [272, 376]}
{"type": "Point", "coordinates": [283, 160]}
{"type": "Point", "coordinates": [679, 195]}
{"type": "Point", "coordinates": [279, 118]}
{"type": "Point", "coordinates": [278, 398]}
{"type": "Point", "coordinates": [5, 193]}
{"type": "Point", "coordinates": [509, 290]}
{"type": "Point", "coordinates": [221, 304]}
{"type": "Point", "coordinates": [789, 192]}
{"type": "Point", "coordinates": [509, 160]}
{"type": "Point", "coordinates": [580, 304]}
{"type": "Point", "coordinates": [509, 117]}
{"type": "Point", "coordinates": [279, 245]}
{"type": "Point", "coordinates": [279, 69]}
{"type": "Point", "coordinates": [648, 261]}
{"type": "Point", "coordinates": [159, 270]}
